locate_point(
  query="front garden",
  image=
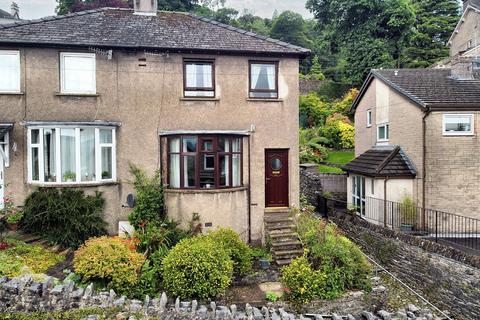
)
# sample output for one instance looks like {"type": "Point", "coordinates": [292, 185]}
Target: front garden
{"type": "Point", "coordinates": [160, 257]}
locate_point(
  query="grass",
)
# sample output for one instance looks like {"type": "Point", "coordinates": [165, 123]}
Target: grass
{"type": "Point", "coordinates": [327, 169]}
{"type": "Point", "coordinates": [21, 258]}
{"type": "Point", "coordinates": [340, 157]}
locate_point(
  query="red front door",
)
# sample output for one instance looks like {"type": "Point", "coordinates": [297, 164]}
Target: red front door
{"type": "Point", "coordinates": [276, 178]}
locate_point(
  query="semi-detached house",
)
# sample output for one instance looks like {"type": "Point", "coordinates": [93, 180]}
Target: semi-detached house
{"type": "Point", "coordinates": [215, 108]}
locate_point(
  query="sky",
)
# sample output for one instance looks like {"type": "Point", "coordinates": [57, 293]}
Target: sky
{"type": "Point", "coordinates": [33, 9]}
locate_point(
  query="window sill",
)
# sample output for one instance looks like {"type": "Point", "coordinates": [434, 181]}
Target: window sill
{"type": "Point", "coordinates": [60, 94]}
{"type": "Point", "coordinates": [198, 99]}
{"type": "Point", "coordinates": [458, 134]}
{"type": "Point", "coordinates": [194, 191]}
{"type": "Point", "coordinates": [73, 184]}
{"type": "Point", "coordinates": [264, 100]}
{"type": "Point", "coordinates": [12, 93]}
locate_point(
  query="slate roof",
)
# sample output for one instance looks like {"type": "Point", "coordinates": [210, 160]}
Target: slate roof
{"type": "Point", "coordinates": [120, 28]}
{"type": "Point", "coordinates": [5, 15]}
{"type": "Point", "coordinates": [388, 161]}
{"type": "Point", "coordinates": [433, 88]}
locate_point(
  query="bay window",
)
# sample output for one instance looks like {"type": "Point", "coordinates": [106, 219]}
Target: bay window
{"type": "Point", "coordinates": [263, 79]}
{"type": "Point", "coordinates": [199, 78]}
{"type": "Point", "coordinates": [204, 162]}
{"type": "Point", "coordinates": [68, 154]}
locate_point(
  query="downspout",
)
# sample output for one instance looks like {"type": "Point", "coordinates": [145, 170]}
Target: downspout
{"type": "Point", "coordinates": [385, 202]}
{"type": "Point", "coordinates": [424, 161]}
{"type": "Point", "coordinates": [249, 191]}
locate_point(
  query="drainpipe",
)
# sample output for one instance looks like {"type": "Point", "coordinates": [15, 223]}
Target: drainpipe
{"type": "Point", "coordinates": [424, 161]}
{"type": "Point", "coordinates": [385, 202]}
{"type": "Point", "coordinates": [249, 191]}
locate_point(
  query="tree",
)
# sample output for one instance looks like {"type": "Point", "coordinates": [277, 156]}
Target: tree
{"type": "Point", "coordinates": [364, 33]}
{"type": "Point", "coordinates": [66, 6]}
{"type": "Point", "coordinates": [177, 5]}
{"type": "Point", "coordinates": [290, 27]}
{"type": "Point", "coordinates": [434, 23]}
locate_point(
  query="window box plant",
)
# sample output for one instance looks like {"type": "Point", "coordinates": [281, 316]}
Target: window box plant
{"type": "Point", "coordinates": [69, 176]}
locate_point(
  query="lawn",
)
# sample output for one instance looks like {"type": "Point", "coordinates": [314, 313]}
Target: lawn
{"type": "Point", "coordinates": [340, 157]}
{"type": "Point", "coordinates": [22, 258]}
{"type": "Point", "coordinates": [327, 169]}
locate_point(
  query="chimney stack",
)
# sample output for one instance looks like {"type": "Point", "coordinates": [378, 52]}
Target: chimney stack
{"type": "Point", "coordinates": [466, 3]}
{"type": "Point", "coordinates": [145, 7]}
{"type": "Point", "coordinates": [15, 10]}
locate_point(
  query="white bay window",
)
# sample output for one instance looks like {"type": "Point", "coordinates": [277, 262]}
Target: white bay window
{"type": "Point", "coordinates": [68, 154]}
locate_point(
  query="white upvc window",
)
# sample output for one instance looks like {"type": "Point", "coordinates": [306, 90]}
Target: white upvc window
{"type": "Point", "coordinates": [358, 194]}
{"type": "Point", "coordinates": [383, 133]}
{"type": "Point", "coordinates": [369, 118]}
{"type": "Point", "coordinates": [77, 73]}
{"type": "Point", "coordinates": [5, 146]}
{"type": "Point", "coordinates": [9, 71]}
{"type": "Point", "coordinates": [460, 124]}
{"type": "Point", "coordinates": [71, 155]}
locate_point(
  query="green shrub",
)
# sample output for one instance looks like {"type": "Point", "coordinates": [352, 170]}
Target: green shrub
{"type": "Point", "coordinates": [108, 262]}
{"type": "Point", "coordinates": [197, 267]}
{"type": "Point", "coordinates": [149, 282]}
{"type": "Point", "coordinates": [301, 283]}
{"type": "Point", "coordinates": [158, 234]}
{"type": "Point", "coordinates": [149, 203]}
{"type": "Point", "coordinates": [66, 217]}
{"type": "Point", "coordinates": [239, 251]}
{"type": "Point", "coordinates": [334, 255]}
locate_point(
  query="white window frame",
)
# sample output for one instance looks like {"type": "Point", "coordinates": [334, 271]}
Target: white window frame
{"type": "Point", "coordinates": [64, 55]}
{"type": "Point", "coordinates": [5, 145]}
{"type": "Point", "coordinates": [458, 133]}
{"type": "Point", "coordinates": [369, 118]}
{"type": "Point", "coordinates": [387, 132]}
{"type": "Point", "coordinates": [78, 181]}
{"type": "Point", "coordinates": [17, 88]}
{"type": "Point", "coordinates": [357, 192]}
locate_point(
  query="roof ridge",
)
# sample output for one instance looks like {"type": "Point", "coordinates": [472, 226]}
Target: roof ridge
{"type": "Point", "coordinates": [248, 33]}
{"type": "Point", "coordinates": [52, 18]}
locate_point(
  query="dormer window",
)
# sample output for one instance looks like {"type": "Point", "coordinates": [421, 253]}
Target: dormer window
{"type": "Point", "coordinates": [199, 78]}
{"type": "Point", "coordinates": [77, 73]}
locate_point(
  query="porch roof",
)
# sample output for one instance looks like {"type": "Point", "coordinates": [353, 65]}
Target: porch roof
{"type": "Point", "coordinates": [384, 161]}
{"type": "Point", "coordinates": [5, 127]}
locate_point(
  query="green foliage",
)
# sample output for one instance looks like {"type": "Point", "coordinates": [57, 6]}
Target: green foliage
{"type": "Point", "coordinates": [408, 210]}
{"type": "Point", "coordinates": [239, 251]}
{"type": "Point", "coordinates": [290, 27]}
{"type": "Point", "coordinates": [197, 267]}
{"type": "Point", "coordinates": [311, 146]}
{"type": "Point", "coordinates": [149, 204]}
{"type": "Point", "coordinates": [301, 282]}
{"type": "Point", "coordinates": [109, 263]}
{"type": "Point", "coordinates": [21, 258]}
{"type": "Point", "coordinates": [315, 72]}
{"type": "Point", "coordinates": [329, 169]}
{"type": "Point", "coordinates": [261, 253]}
{"type": "Point", "coordinates": [340, 157]}
{"type": "Point", "coordinates": [271, 296]}
{"type": "Point", "coordinates": [339, 132]}
{"type": "Point", "coordinates": [75, 314]}
{"type": "Point", "coordinates": [158, 234]}
{"type": "Point", "coordinates": [334, 255]}
{"type": "Point", "coordinates": [314, 110]}
{"type": "Point", "coordinates": [66, 217]}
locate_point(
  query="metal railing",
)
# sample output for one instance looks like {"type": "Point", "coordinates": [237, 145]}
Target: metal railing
{"type": "Point", "coordinates": [458, 231]}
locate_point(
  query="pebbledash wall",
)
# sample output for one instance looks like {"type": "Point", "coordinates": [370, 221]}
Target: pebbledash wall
{"type": "Point", "coordinates": [447, 277]}
{"type": "Point", "coordinates": [148, 99]}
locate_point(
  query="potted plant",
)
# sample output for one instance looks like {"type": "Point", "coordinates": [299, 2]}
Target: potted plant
{"type": "Point", "coordinates": [106, 175]}
{"type": "Point", "coordinates": [69, 176]}
{"type": "Point", "coordinates": [13, 219]}
{"type": "Point", "coordinates": [408, 213]}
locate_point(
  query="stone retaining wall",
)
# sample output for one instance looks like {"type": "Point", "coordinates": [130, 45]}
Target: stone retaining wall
{"type": "Point", "coordinates": [312, 182]}
{"type": "Point", "coordinates": [426, 266]}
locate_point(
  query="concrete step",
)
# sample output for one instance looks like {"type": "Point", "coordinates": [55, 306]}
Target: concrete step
{"type": "Point", "coordinates": [282, 231]}
{"type": "Point", "coordinates": [283, 262]}
{"type": "Point", "coordinates": [288, 254]}
{"type": "Point", "coordinates": [280, 226]}
{"type": "Point", "coordinates": [277, 210]}
{"type": "Point", "coordinates": [286, 245]}
{"type": "Point", "coordinates": [275, 219]}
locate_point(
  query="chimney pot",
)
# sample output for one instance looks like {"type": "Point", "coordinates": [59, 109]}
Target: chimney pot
{"type": "Point", "coordinates": [145, 7]}
{"type": "Point", "coordinates": [15, 10]}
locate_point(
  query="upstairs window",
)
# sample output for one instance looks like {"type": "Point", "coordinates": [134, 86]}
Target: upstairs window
{"type": "Point", "coordinates": [457, 124]}
{"type": "Point", "coordinates": [71, 154]}
{"type": "Point", "coordinates": [77, 73]}
{"type": "Point", "coordinates": [369, 118]}
{"type": "Point", "coordinates": [383, 133]}
{"type": "Point", "coordinates": [9, 71]}
{"type": "Point", "coordinates": [204, 162]}
{"type": "Point", "coordinates": [199, 78]}
{"type": "Point", "coordinates": [263, 79]}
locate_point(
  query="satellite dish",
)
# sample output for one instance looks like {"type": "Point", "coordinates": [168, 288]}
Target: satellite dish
{"type": "Point", "coordinates": [131, 200]}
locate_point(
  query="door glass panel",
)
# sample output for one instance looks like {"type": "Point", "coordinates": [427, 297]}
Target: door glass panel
{"type": "Point", "coordinates": [276, 164]}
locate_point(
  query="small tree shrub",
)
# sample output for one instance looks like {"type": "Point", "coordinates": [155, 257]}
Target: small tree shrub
{"type": "Point", "coordinates": [239, 251]}
{"type": "Point", "coordinates": [66, 217]}
{"type": "Point", "coordinates": [301, 283]}
{"type": "Point", "coordinates": [108, 262]}
{"type": "Point", "coordinates": [158, 234]}
{"type": "Point", "coordinates": [149, 204]}
{"type": "Point", "coordinates": [197, 268]}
